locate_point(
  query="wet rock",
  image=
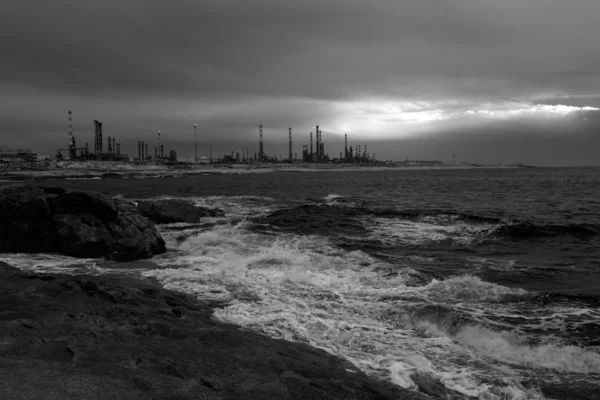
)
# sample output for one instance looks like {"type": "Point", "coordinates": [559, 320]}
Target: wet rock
{"type": "Point", "coordinates": [110, 337]}
{"type": "Point", "coordinates": [169, 211]}
{"type": "Point", "coordinates": [74, 223]}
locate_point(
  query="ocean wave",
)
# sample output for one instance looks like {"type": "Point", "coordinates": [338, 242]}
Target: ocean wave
{"type": "Point", "coordinates": [470, 288]}
{"type": "Point", "coordinates": [526, 230]}
{"type": "Point", "coordinates": [331, 197]}
{"type": "Point", "coordinates": [315, 219]}
{"type": "Point", "coordinates": [509, 347]}
{"type": "Point", "coordinates": [492, 226]}
{"type": "Point", "coordinates": [304, 288]}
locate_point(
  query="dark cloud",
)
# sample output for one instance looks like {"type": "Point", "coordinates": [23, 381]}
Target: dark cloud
{"type": "Point", "coordinates": [311, 48]}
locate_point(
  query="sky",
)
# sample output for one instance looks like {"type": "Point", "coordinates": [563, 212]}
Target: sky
{"type": "Point", "coordinates": [490, 81]}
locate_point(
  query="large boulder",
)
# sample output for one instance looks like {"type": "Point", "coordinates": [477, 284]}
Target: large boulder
{"type": "Point", "coordinates": [74, 223]}
{"type": "Point", "coordinates": [169, 211]}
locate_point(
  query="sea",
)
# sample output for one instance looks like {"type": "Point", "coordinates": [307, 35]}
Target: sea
{"type": "Point", "coordinates": [486, 281]}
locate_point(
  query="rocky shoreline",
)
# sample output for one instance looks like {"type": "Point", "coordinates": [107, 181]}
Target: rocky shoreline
{"type": "Point", "coordinates": [120, 336]}
{"type": "Point", "coordinates": [117, 337]}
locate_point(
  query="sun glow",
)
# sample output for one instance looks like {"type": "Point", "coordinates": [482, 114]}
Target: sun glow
{"type": "Point", "coordinates": [408, 118]}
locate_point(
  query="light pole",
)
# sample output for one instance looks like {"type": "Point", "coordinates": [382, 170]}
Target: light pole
{"type": "Point", "coordinates": [195, 148]}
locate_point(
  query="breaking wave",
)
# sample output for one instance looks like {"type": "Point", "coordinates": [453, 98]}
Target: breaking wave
{"type": "Point", "coordinates": [303, 287]}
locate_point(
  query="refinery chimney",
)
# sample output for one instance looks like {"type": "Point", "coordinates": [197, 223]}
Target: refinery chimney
{"type": "Point", "coordinates": [318, 143]}
{"type": "Point", "coordinates": [72, 154]}
{"type": "Point", "coordinates": [100, 147]}
{"type": "Point", "coordinates": [321, 146]}
{"type": "Point", "coordinates": [310, 155]}
{"type": "Point", "coordinates": [290, 134]}
{"type": "Point", "coordinates": [95, 136]}
{"type": "Point", "coordinates": [70, 129]}
{"type": "Point", "coordinates": [346, 147]}
{"type": "Point", "coordinates": [260, 144]}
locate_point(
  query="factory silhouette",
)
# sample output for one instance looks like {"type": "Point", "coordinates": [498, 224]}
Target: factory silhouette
{"type": "Point", "coordinates": [310, 153]}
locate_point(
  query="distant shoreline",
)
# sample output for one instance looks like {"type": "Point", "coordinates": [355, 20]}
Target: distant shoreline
{"type": "Point", "coordinates": [110, 170]}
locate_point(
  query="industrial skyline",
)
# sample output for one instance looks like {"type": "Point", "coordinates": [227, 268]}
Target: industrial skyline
{"type": "Point", "coordinates": [113, 150]}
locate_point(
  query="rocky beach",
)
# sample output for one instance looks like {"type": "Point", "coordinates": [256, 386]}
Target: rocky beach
{"type": "Point", "coordinates": [122, 337]}
{"type": "Point", "coordinates": [84, 337]}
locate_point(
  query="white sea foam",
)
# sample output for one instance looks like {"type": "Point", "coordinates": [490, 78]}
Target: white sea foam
{"type": "Point", "coordinates": [304, 289]}
{"type": "Point", "coordinates": [469, 288]}
{"type": "Point", "coordinates": [423, 230]}
{"type": "Point", "coordinates": [52, 263]}
{"type": "Point", "coordinates": [511, 348]}
{"type": "Point", "coordinates": [233, 206]}
{"type": "Point", "coordinates": [331, 197]}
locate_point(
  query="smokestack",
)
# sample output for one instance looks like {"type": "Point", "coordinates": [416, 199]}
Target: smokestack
{"type": "Point", "coordinates": [318, 141]}
{"type": "Point", "coordinates": [70, 130]}
{"type": "Point", "coordinates": [290, 130]}
{"type": "Point", "coordinates": [322, 149]}
{"type": "Point", "coordinates": [100, 144]}
{"type": "Point", "coordinates": [95, 136]}
{"type": "Point", "coordinates": [311, 148]}
{"type": "Point", "coordinates": [346, 147]}
{"type": "Point", "coordinates": [260, 147]}
{"type": "Point", "coordinates": [158, 147]}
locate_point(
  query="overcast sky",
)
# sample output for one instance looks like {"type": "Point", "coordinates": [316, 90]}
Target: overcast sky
{"type": "Point", "coordinates": [488, 80]}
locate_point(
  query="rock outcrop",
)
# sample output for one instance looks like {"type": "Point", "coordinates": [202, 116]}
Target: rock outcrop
{"type": "Point", "coordinates": [81, 337]}
{"type": "Point", "coordinates": [169, 211]}
{"type": "Point", "coordinates": [74, 223]}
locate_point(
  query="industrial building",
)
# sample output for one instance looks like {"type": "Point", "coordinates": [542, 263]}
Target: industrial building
{"type": "Point", "coordinates": [159, 153]}
{"type": "Point", "coordinates": [15, 157]}
{"type": "Point", "coordinates": [312, 152]}
{"type": "Point", "coordinates": [74, 153]}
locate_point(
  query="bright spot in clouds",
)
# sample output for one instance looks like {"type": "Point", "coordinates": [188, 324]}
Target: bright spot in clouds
{"type": "Point", "coordinates": [406, 119]}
